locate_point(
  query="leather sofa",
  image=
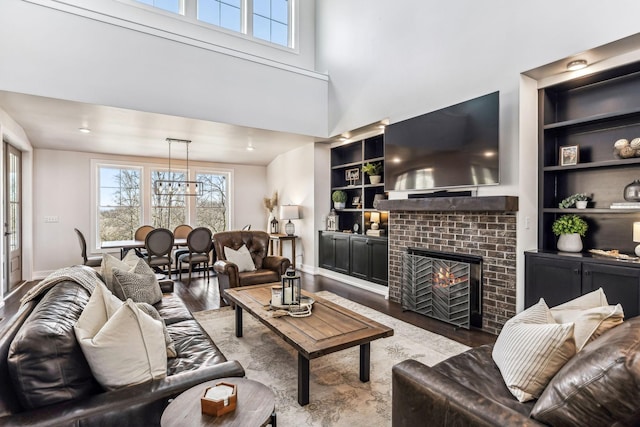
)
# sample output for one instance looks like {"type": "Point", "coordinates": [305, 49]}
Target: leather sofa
{"type": "Point", "coordinates": [58, 387]}
{"type": "Point", "coordinates": [269, 268]}
{"type": "Point", "coordinates": [600, 386]}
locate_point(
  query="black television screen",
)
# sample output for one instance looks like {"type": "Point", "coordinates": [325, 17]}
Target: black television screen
{"type": "Point", "coordinates": [456, 146]}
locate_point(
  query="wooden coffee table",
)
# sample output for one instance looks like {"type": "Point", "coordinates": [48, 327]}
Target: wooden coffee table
{"type": "Point", "coordinates": [255, 406]}
{"type": "Point", "coordinates": [330, 328]}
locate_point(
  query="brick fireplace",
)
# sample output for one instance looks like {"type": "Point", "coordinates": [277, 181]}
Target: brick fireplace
{"type": "Point", "coordinates": [480, 226]}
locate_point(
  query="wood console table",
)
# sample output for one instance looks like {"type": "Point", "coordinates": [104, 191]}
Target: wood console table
{"type": "Point", "coordinates": [280, 238]}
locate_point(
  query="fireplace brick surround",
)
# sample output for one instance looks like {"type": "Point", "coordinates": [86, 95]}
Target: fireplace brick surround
{"type": "Point", "coordinates": [488, 234]}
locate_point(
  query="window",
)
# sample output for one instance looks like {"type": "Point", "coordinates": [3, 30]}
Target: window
{"type": "Point", "coordinates": [271, 21]}
{"type": "Point", "coordinates": [167, 210]}
{"type": "Point", "coordinates": [223, 13]}
{"type": "Point", "coordinates": [125, 200]}
{"type": "Point", "coordinates": [174, 6]}
{"type": "Point", "coordinates": [119, 202]}
{"type": "Point", "coordinates": [211, 208]}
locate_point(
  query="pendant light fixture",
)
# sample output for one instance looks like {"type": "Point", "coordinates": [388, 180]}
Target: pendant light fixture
{"type": "Point", "coordinates": [174, 187]}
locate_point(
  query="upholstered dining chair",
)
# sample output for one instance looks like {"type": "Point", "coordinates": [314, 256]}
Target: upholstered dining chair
{"type": "Point", "coordinates": [88, 261]}
{"type": "Point", "coordinates": [199, 242]}
{"type": "Point", "coordinates": [141, 234]}
{"type": "Point", "coordinates": [257, 268]}
{"type": "Point", "coordinates": [181, 232]}
{"type": "Point", "coordinates": [158, 244]}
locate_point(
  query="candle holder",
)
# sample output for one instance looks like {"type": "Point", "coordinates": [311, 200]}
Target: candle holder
{"type": "Point", "coordinates": [291, 284]}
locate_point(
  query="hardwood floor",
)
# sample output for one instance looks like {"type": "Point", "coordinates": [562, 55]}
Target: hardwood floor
{"type": "Point", "coordinates": [200, 295]}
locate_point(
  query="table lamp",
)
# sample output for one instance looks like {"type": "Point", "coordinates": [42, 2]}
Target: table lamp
{"type": "Point", "coordinates": [636, 236]}
{"type": "Point", "coordinates": [289, 212]}
{"type": "Point", "coordinates": [375, 220]}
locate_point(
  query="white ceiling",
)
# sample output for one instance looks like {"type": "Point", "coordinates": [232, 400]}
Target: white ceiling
{"type": "Point", "coordinates": [54, 123]}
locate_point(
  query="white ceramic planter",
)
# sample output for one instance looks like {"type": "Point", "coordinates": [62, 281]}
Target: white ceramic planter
{"type": "Point", "coordinates": [570, 243]}
{"type": "Point", "coordinates": [581, 204]}
{"type": "Point", "coordinates": [339, 205]}
{"type": "Point", "coordinates": [375, 179]}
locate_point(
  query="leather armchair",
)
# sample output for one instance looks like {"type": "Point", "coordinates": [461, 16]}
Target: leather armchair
{"type": "Point", "coordinates": [269, 268]}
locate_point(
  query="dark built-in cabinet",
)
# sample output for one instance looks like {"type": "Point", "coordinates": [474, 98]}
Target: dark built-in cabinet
{"type": "Point", "coordinates": [592, 113]}
{"type": "Point", "coordinates": [364, 257]}
{"type": "Point", "coordinates": [558, 278]}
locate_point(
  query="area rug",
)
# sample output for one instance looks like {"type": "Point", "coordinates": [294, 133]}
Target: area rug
{"type": "Point", "coordinates": [336, 395]}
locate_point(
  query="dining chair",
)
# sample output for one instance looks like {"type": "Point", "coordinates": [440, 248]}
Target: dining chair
{"type": "Point", "coordinates": [88, 261]}
{"type": "Point", "coordinates": [159, 243]}
{"type": "Point", "coordinates": [181, 232]}
{"type": "Point", "coordinates": [199, 242]}
{"type": "Point", "coordinates": [141, 234]}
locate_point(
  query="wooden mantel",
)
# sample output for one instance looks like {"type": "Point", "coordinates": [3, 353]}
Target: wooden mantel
{"type": "Point", "coordinates": [452, 204]}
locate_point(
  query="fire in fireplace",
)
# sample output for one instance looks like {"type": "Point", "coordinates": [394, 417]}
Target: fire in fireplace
{"type": "Point", "coordinates": [443, 285]}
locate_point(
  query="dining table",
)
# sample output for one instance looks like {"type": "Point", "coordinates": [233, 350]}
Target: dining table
{"type": "Point", "coordinates": [125, 245]}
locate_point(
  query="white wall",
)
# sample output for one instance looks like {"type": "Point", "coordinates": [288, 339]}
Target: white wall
{"type": "Point", "coordinates": [62, 55]}
{"type": "Point", "coordinates": [291, 175]}
{"type": "Point", "coordinates": [62, 182]}
{"type": "Point", "coordinates": [414, 57]}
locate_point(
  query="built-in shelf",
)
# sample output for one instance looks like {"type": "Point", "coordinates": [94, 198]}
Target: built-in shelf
{"type": "Point", "coordinates": [588, 211]}
{"type": "Point", "coordinates": [447, 204]}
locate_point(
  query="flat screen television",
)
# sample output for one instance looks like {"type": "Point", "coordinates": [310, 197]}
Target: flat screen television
{"type": "Point", "coordinates": [457, 146]}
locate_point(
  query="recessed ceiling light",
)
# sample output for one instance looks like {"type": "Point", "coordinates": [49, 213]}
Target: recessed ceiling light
{"type": "Point", "coordinates": [578, 64]}
{"type": "Point", "coordinates": [84, 130]}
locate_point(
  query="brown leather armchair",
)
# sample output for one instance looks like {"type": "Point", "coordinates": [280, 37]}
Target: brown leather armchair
{"type": "Point", "coordinates": [269, 268]}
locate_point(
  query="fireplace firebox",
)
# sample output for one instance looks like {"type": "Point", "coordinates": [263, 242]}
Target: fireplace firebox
{"type": "Point", "coordinates": [445, 286]}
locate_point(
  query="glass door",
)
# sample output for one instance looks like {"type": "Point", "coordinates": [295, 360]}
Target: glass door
{"type": "Point", "coordinates": [13, 214]}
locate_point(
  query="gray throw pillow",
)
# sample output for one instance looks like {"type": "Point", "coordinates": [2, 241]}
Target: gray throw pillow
{"type": "Point", "coordinates": [140, 284]}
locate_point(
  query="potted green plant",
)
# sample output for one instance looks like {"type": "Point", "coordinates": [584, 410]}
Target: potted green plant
{"type": "Point", "coordinates": [339, 198]}
{"type": "Point", "coordinates": [570, 229]}
{"type": "Point", "coordinates": [373, 170]}
{"type": "Point", "coordinates": [580, 200]}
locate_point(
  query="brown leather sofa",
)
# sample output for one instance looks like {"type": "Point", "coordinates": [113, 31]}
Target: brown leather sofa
{"type": "Point", "coordinates": [52, 384]}
{"type": "Point", "coordinates": [600, 386]}
{"type": "Point", "coordinates": [269, 268]}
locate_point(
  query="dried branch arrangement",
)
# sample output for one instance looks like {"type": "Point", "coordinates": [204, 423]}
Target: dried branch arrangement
{"type": "Point", "coordinates": [270, 203]}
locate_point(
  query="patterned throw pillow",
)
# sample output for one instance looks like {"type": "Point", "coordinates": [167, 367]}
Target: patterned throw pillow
{"type": "Point", "coordinates": [140, 284]}
{"type": "Point", "coordinates": [241, 258]}
{"type": "Point", "coordinates": [109, 262]}
{"type": "Point", "coordinates": [530, 349]}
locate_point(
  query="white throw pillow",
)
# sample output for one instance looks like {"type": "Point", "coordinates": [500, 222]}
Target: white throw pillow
{"type": "Point", "coordinates": [241, 258]}
{"type": "Point", "coordinates": [591, 314]}
{"type": "Point", "coordinates": [122, 344]}
{"type": "Point", "coordinates": [109, 262]}
{"type": "Point", "coordinates": [530, 349]}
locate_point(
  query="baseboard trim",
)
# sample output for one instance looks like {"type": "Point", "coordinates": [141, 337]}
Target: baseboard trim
{"type": "Point", "coordinates": [353, 281]}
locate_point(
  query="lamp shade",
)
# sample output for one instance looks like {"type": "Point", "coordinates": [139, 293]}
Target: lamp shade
{"type": "Point", "coordinates": [289, 212]}
{"type": "Point", "coordinates": [636, 231]}
{"type": "Point", "coordinates": [375, 216]}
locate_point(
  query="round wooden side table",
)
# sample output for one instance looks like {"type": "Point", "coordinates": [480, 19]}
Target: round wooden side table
{"type": "Point", "coordinates": [255, 406]}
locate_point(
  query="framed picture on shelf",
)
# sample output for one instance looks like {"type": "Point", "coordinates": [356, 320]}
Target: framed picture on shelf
{"type": "Point", "coordinates": [352, 175]}
{"type": "Point", "coordinates": [356, 201]}
{"type": "Point", "coordinates": [569, 155]}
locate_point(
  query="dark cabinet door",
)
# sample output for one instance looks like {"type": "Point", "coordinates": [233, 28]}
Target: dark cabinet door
{"type": "Point", "coordinates": [554, 279]}
{"type": "Point", "coordinates": [341, 245]}
{"type": "Point", "coordinates": [620, 285]}
{"type": "Point", "coordinates": [360, 257]}
{"type": "Point", "coordinates": [327, 251]}
{"type": "Point", "coordinates": [379, 272]}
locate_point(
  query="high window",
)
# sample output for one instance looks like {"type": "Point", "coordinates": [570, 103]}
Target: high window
{"type": "Point", "coordinates": [268, 20]}
{"type": "Point", "coordinates": [167, 210]}
{"type": "Point", "coordinates": [211, 207]}
{"type": "Point", "coordinates": [119, 202]}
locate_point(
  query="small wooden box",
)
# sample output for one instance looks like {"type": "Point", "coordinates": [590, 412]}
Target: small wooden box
{"type": "Point", "coordinates": [217, 407]}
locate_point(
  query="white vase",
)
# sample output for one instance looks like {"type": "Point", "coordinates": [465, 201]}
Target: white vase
{"type": "Point", "coordinates": [570, 243]}
{"type": "Point", "coordinates": [375, 179]}
{"type": "Point", "coordinates": [581, 204]}
{"type": "Point", "coordinates": [339, 205]}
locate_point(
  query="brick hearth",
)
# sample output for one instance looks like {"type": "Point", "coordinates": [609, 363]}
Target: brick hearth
{"type": "Point", "coordinates": [491, 235]}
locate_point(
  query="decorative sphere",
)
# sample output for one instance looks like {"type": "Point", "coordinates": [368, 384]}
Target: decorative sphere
{"type": "Point", "coordinates": [635, 143]}
{"type": "Point", "coordinates": [619, 144]}
{"type": "Point", "coordinates": [627, 152]}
